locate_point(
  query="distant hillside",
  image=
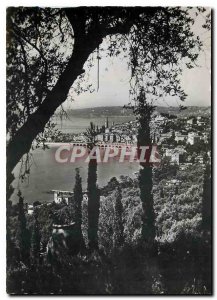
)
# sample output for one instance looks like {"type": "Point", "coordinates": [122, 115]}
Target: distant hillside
{"type": "Point", "coordinates": [99, 112]}
{"type": "Point", "coordinates": [105, 111]}
{"type": "Point", "coordinates": [190, 111]}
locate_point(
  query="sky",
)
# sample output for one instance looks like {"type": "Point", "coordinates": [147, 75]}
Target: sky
{"type": "Point", "coordinates": [114, 80]}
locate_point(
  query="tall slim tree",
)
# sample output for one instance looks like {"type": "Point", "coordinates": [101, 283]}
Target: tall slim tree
{"type": "Point", "coordinates": [207, 201]}
{"type": "Point", "coordinates": [93, 191]}
{"type": "Point", "coordinates": [206, 249]}
{"type": "Point", "coordinates": [118, 238]}
{"type": "Point", "coordinates": [23, 234]}
{"type": "Point", "coordinates": [93, 204]}
{"type": "Point", "coordinates": [143, 111]}
{"type": "Point", "coordinates": [78, 197]}
{"type": "Point", "coordinates": [35, 240]}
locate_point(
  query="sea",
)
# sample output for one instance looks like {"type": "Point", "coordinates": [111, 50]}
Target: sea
{"type": "Point", "coordinates": [46, 174]}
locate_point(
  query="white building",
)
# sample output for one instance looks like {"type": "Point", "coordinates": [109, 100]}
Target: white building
{"type": "Point", "coordinates": [190, 121]}
{"type": "Point", "coordinates": [175, 154]}
{"type": "Point", "coordinates": [30, 209]}
{"type": "Point", "coordinates": [165, 136]}
{"type": "Point", "coordinates": [180, 137]}
{"type": "Point", "coordinates": [193, 138]}
{"type": "Point", "coordinates": [200, 121]}
{"type": "Point", "coordinates": [60, 196]}
{"type": "Point", "coordinates": [100, 137]}
{"type": "Point", "coordinates": [175, 182]}
{"type": "Point", "coordinates": [199, 159]}
{"type": "Point", "coordinates": [67, 196]}
{"type": "Point", "coordinates": [85, 197]}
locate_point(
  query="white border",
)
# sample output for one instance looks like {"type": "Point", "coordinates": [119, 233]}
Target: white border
{"type": "Point", "coordinates": [71, 3]}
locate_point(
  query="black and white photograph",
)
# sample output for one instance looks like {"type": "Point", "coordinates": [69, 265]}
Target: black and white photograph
{"type": "Point", "coordinates": [109, 150]}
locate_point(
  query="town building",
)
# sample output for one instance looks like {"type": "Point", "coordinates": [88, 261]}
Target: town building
{"type": "Point", "coordinates": [165, 136]}
{"type": "Point", "coordinates": [66, 196]}
{"type": "Point", "coordinates": [180, 137]}
{"type": "Point", "coordinates": [61, 196]}
{"type": "Point", "coordinates": [123, 133]}
{"type": "Point", "coordinates": [190, 121]}
{"type": "Point", "coordinates": [30, 209]}
{"type": "Point", "coordinates": [193, 138]}
{"type": "Point", "coordinates": [176, 155]}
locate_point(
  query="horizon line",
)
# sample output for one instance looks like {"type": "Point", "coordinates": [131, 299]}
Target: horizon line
{"type": "Point", "coordinates": [204, 106]}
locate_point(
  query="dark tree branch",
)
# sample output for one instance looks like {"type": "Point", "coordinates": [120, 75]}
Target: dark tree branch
{"type": "Point", "coordinates": [26, 78]}
{"type": "Point", "coordinates": [20, 35]}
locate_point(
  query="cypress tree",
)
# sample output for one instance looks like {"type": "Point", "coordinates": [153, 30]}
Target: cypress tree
{"type": "Point", "coordinates": [23, 233]}
{"type": "Point", "coordinates": [143, 112]}
{"type": "Point", "coordinates": [118, 220]}
{"type": "Point", "coordinates": [206, 251]}
{"type": "Point", "coordinates": [78, 197]}
{"type": "Point", "coordinates": [36, 239]}
{"type": "Point", "coordinates": [93, 204]}
{"type": "Point", "coordinates": [93, 192]}
{"type": "Point", "coordinates": [206, 200]}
